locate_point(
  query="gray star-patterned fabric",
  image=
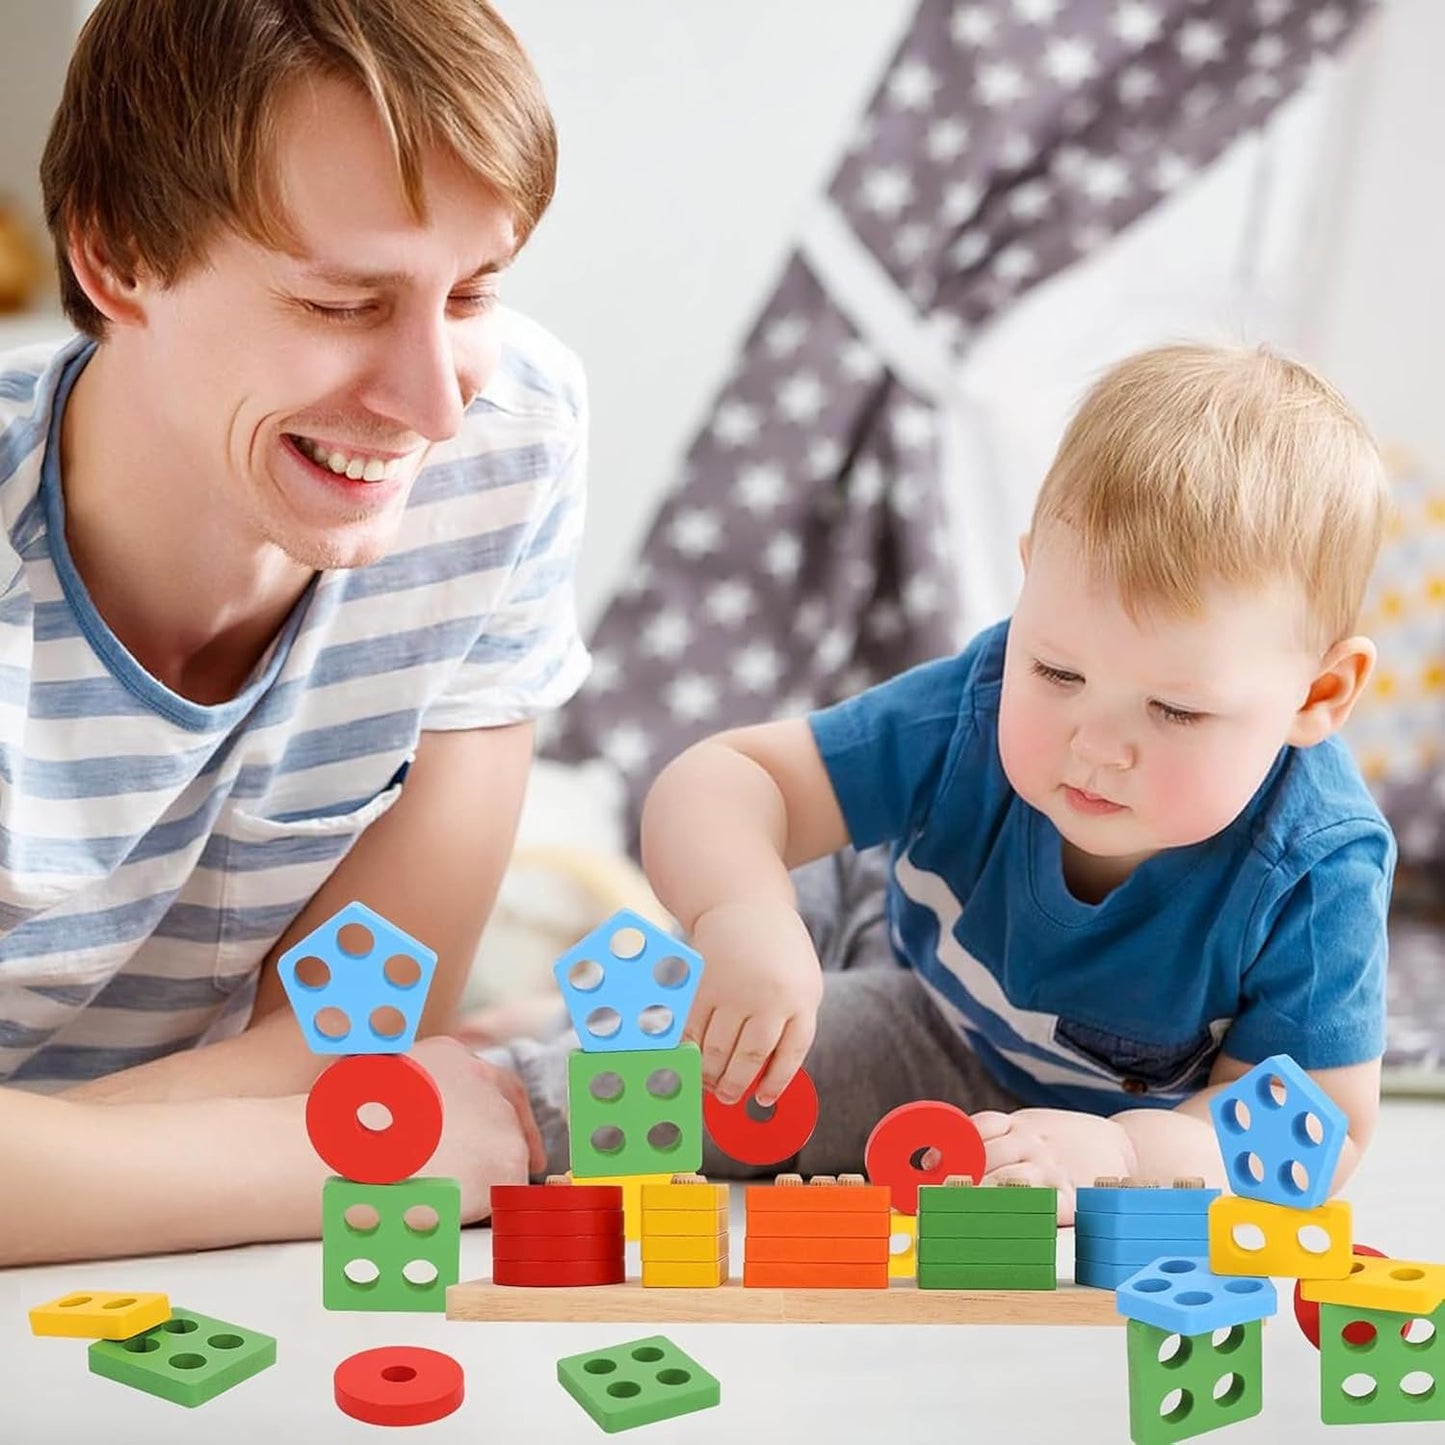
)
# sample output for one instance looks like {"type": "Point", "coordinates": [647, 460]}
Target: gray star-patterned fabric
{"type": "Point", "coordinates": [816, 542]}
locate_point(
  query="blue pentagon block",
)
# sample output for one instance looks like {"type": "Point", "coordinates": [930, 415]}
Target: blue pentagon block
{"type": "Point", "coordinates": [628, 986]}
{"type": "Point", "coordinates": [1184, 1296]}
{"type": "Point", "coordinates": [357, 984]}
{"type": "Point", "coordinates": [1281, 1148]}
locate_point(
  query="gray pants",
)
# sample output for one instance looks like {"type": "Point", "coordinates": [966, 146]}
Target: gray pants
{"type": "Point", "coordinates": [880, 1040]}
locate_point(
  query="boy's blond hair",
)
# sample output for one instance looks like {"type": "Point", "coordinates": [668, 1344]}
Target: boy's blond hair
{"type": "Point", "coordinates": [1191, 464]}
{"type": "Point", "coordinates": [166, 128]}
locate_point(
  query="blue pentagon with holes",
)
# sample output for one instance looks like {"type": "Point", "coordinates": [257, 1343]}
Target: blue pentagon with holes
{"type": "Point", "coordinates": [628, 985]}
{"type": "Point", "coordinates": [1280, 1135]}
{"type": "Point", "coordinates": [345, 978]}
{"type": "Point", "coordinates": [1183, 1295]}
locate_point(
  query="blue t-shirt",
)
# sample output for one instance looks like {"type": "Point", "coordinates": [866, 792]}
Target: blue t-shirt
{"type": "Point", "coordinates": [1267, 938]}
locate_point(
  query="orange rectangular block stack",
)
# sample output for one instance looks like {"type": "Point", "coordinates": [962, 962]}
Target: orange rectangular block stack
{"type": "Point", "coordinates": [826, 1234]}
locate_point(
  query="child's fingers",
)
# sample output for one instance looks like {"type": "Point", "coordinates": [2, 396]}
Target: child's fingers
{"type": "Point", "coordinates": [717, 1045]}
{"type": "Point", "coordinates": [1005, 1152]}
{"type": "Point", "coordinates": [991, 1124]}
{"type": "Point", "coordinates": [792, 1048]}
{"type": "Point", "coordinates": [754, 1047]}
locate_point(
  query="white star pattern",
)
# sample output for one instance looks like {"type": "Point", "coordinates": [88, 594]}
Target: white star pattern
{"type": "Point", "coordinates": [921, 596]}
{"type": "Point", "coordinates": [961, 200]}
{"type": "Point", "coordinates": [729, 602]}
{"type": "Point", "coordinates": [1038, 12]}
{"type": "Point", "coordinates": [692, 697]}
{"type": "Point", "coordinates": [905, 496]}
{"type": "Point", "coordinates": [1030, 201]}
{"type": "Point", "coordinates": [887, 190]}
{"type": "Point", "coordinates": [969, 249]}
{"type": "Point", "coordinates": [695, 532]}
{"type": "Point", "coordinates": [802, 397]}
{"type": "Point", "coordinates": [761, 486]}
{"type": "Point", "coordinates": [784, 336]}
{"type": "Point", "coordinates": [947, 140]}
{"type": "Point", "coordinates": [1271, 12]}
{"type": "Point", "coordinates": [1327, 26]}
{"type": "Point", "coordinates": [1171, 171]}
{"type": "Point", "coordinates": [1016, 151]}
{"type": "Point", "coordinates": [865, 484]}
{"type": "Point", "coordinates": [913, 425]}
{"type": "Point", "coordinates": [1199, 100]}
{"type": "Point", "coordinates": [1071, 61]}
{"type": "Point", "coordinates": [811, 618]}
{"type": "Point", "coordinates": [834, 648]}
{"type": "Point", "coordinates": [886, 622]}
{"type": "Point", "coordinates": [972, 26]}
{"type": "Point", "coordinates": [626, 747]}
{"type": "Point", "coordinates": [859, 361]}
{"type": "Point", "coordinates": [606, 671]}
{"type": "Point", "coordinates": [1105, 179]}
{"type": "Point", "coordinates": [1015, 263]}
{"type": "Point", "coordinates": [912, 86]}
{"type": "Point", "coordinates": [757, 667]}
{"type": "Point", "coordinates": [1001, 84]}
{"type": "Point", "coordinates": [667, 634]}
{"type": "Point", "coordinates": [825, 456]}
{"type": "Point", "coordinates": [783, 556]}
{"type": "Point", "coordinates": [1137, 24]}
{"type": "Point", "coordinates": [1137, 84]}
{"type": "Point", "coordinates": [911, 243]}
{"type": "Point", "coordinates": [1267, 52]}
{"type": "Point", "coordinates": [735, 424]}
{"type": "Point", "coordinates": [1200, 42]}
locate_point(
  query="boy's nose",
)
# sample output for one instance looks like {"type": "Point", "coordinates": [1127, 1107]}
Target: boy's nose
{"type": "Point", "coordinates": [1101, 747]}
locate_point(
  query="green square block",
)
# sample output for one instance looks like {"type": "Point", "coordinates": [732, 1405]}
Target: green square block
{"type": "Point", "coordinates": [988, 1199]}
{"type": "Point", "coordinates": [987, 1251]}
{"type": "Point", "coordinates": [637, 1383]}
{"type": "Point", "coordinates": [955, 1224]}
{"type": "Point", "coordinates": [188, 1359]}
{"type": "Point", "coordinates": [380, 1254]}
{"type": "Point", "coordinates": [1393, 1376]}
{"type": "Point", "coordinates": [1186, 1382]}
{"type": "Point", "coordinates": [635, 1111]}
{"type": "Point", "coordinates": [987, 1276]}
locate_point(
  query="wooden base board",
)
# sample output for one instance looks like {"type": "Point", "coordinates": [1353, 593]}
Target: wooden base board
{"type": "Point", "coordinates": [901, 1304]}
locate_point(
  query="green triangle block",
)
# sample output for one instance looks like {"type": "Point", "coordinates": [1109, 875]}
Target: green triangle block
{"type": "Point", "coordinates": [189, 1359]}
{"type": "Point", "coordinates": [637, 1383]}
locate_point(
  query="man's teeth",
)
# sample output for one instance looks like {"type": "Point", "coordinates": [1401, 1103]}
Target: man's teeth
{"type": "Point", "coordinates": [355, 468]}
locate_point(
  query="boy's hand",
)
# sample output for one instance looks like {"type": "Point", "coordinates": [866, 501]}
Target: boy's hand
{"type": "Point", "coordinates": [1055, 1147]}
{"type": "Point", "coordinates": [488, 1133]}
{"type": "Point", "coordinates": [757, 1006]}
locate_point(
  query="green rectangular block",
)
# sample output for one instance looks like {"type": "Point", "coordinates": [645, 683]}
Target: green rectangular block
{"type": "Point", "coordinates": [1186, 1385]}
{"type": "Point", "coordinates": [957, 1225]}
{"type": "Point", "coordinates": [988, 1199]}
{"type": "Point", "coordinates": [637, 1383]}
{"type": "Point", "coordinates": [987, 1276]}
{"type": "Point", "coordinates": [390, 1247]}
{"type": "Point", "coordinates": [1395, 1374]}
{"type": "Point", "coordinates": [635, 1111]}
{"type": "Point", "coordinates": [987, 1251]}
{"type": "Point", "coordinates": [189, 1359]}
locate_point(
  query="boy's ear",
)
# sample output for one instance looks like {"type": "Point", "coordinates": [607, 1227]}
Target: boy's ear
{"type": "Point", "coordinates": [113, 294]}
{"type": "Point", "coordinates": [1344, 672]}
{"type": "Point", "coordinates": [1024, 550]}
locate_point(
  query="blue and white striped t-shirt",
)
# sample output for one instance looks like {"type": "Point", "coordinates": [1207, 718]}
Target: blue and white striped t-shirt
{"type": "Point", "coordinates": [152, 850]}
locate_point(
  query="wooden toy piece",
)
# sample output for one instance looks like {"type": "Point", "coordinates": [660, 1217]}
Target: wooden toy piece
{"type": "Point", "coordinates": [907, 1135]}
{"type": "Point", "coordinates": [390, 1247]}
{"type": "Point", "coordinates": [637, 1383]}
{"type": "Point", "coordinates": [1136, 1253]}
{"type": "Point", "coordinates": [658, 1222]}
{"type": "Point", "coordinates": [1380, 1367]}
{"type": "Point", "coordinates": [357, 984]}
{"type": "Point", "coordinates": [694, 1274]}
{"type": "Point", "coordinates": [958, 1194]}
{"type": "Point", "coordinates": [631, 1185]}
{"type": "Point", "coordinates": [1095, 1274]}
{"type": "Point", "coordinates": [631, 1112]}
{"type": "Point", "coordinates": [559, 1248]}
{"type": "Point", "coordinates": [557, 1223]}
{"type": "Point", "coordinates": [1247, 1236]}
{"type": "Point", "coordinates": [818, 1196]}
{"type": "Point", "coordinates": [1280, 1134]}
{"type": "Point", "coordinates": [902, 1260]}
{"type": "Point", "coordinates": [987, 1276]}
{"type": "Point", "coordinates": [628, 986]}
{"type": "Point", "coordinates": [562, 1195]}
{"type": "Point", "coordinates": [399, 1385]}
{"type": "Point", "coordinates": [100, 1314]}
{"type": "Point", "coordinates": [788, 1126]}
{"type": "Point", "coordinates": [1402, 1285]}
{"type": "Point", "coordinates": [683, 1248]}
{"type": "Point", "coordinates": [833, 1224]}
{"type": "Point", "coordinates": [759, 1274]}
{"type": "Point", "coordinates": [1040, 1250]}
{"type": "Point", "coordinates": [367, 1155]}
{"type": "Point", "coordinates": [1307, 1312]}
{"type": "Point", "coordinates": [684, 1234]}
{"type": "Point", "coordinates": [189, 1359]}
{"type": "Point", "coordinates": [1186, 1385]}
{"type": "Point", "coordinates": [682, 1192]}
{"type": "Point", "coordinates": [765, 1249]}
{"type": "Point", "coordinates": [1184, 1297]}
{"type": "Point", "coordinates": [558, 1274]}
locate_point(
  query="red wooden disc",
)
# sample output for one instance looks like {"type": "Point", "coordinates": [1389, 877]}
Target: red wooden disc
{"type": "Point", "coordinates": [552, 1274]}
{"type": "Point", "coordinates": [764, 1141]}
{"type": "Point", "coordinates": [556, 1196]}
{"type": "Point", "coordinates": [904, 1133]}
{"type": "Point", "coordinates": [555, 1223]}
{"type": "Point", "coordinates": [1307, 1312]}
{"type": "Point", "coordinates": [594, 1248]}
{"type": "Point", "coordinates": [399, 1384]}
{"type": "Point", "coordinates": [375, 1156]}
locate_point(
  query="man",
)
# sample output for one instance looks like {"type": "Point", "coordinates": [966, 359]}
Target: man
{"type": "Point", "coordinates": [288, 549]}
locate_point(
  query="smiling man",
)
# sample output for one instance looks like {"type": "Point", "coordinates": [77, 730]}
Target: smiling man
{"type": "Point", "coordinates": [289, 533]}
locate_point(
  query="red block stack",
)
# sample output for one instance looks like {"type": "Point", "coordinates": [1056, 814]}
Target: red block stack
{"type": "Point", "coordinates": [558, 1234]}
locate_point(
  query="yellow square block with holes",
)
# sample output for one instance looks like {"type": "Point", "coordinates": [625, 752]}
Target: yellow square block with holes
{"type": "Point", "coordinates": [1253, 1237]}
{"type": "Point", "coordinates": [100, 1315]}
{"type": "Point", "coordinates": [706, 1274]}
{"type": "Point", "coordinates": [903, 1263]}
{"type": "Point", "coordinates": [684, 1248]}
{"type": "Point", "coordinates": [673, 1193]}
{"type": "Point", "coordinates": [631, 1196]}
{"type": "Point", "coordinates": [1403, 1286]}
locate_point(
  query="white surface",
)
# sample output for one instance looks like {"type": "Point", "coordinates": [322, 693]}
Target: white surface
{"type": "Point", "coordinates": [839, 1384]}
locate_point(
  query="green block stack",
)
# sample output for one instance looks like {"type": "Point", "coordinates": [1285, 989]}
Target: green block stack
{"type": "Point", "coordinates": [991, 1237]}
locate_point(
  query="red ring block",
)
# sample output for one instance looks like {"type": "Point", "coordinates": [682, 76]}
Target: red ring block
{"type": "Point", "coordinates": [769, 1141]}
{"type": "Point", "coordinates": [548, 1274]}
{"type": "Point", "coordinates": [908, 1130]}
{"type": "Point", "coordinates": [586, 1248]}
{"type": "Point", "coordinates": [398, 1384]}
{"type": "Point", "coordinates": [375, 1156]}
{"type": "Point", "coordinates": [556, 1223]}
{"type": "Point", "coordinates": [556, 1196]}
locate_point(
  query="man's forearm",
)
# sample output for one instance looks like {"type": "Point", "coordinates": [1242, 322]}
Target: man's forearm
{"type": "Point", "coordinates": [84, 1180]}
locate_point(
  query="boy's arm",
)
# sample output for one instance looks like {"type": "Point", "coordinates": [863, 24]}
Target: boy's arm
{"type": "Point", "coordinates": [721, 827]}
{"type": "Point", "coordinates": [431, 864]}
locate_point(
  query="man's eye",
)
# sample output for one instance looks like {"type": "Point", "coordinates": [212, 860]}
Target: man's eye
{"type": "Point", "coordinates": [1054, 674]}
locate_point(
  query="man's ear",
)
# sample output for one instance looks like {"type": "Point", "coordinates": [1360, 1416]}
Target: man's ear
{"type": "Point", "coordinates": [1344, 672]}
{"type": "Point", "coordinates": [112, 290]}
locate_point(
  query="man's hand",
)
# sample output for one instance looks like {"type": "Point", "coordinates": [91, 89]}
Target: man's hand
{"type": "Point", "coordinates": [1055, 1147]}
{"type": "Point", "coordinates": [756, 1009]}
{"type": "Point", "coordinates": [488, 1133]}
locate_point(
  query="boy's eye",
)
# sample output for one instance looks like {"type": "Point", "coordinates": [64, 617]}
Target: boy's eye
{"type": "Point", "coordinates": [1178, 714]}
{"type": "Point", "coordinates": [335, 313]}
{"type": "Point", "coordinates": [1054, 674]}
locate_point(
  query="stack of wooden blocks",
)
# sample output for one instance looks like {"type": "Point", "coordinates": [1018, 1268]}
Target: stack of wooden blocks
{"type": "Point", "coordinates": [827, 1234]}
{"type": "Point", "coordinates": [996, 1237]}
{"type": "Point", "coordinates": [684, 1234]}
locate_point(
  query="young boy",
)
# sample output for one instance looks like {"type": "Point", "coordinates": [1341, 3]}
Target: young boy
{"type": "Point", "coordinates": [1129, 856]}
{"type": "Point", "coordinates": [285, 578]}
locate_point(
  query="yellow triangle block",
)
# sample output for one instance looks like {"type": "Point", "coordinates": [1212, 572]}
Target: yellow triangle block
{"type": "Point", "coordinates": [1253, 1237]}
{"type": "Point", "coordinates": [100, 1315]}
{"type": "Point", "coordinates": [1403, 1286]}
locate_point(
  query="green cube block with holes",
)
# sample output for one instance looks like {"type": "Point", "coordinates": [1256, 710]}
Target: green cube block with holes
{"type": "Point", "coordinates": [637, 1383]}
{"type": "Point", "coordinates": [1186, 1385]}
{"type": "Point", "coordinates": [189, 1359]}
{"type": "Point", "coordinates": [635, 1111]}
{"type": "Point", "coordinates": [390, 1247]}
{"type": "Point", "coordinates": [1380, 1368]}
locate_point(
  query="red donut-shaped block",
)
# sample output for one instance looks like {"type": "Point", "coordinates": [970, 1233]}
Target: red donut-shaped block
{"type": "Point", "coordinates": [904, 1135]}
{"type": "Point", "coordinates": [375, 1156]}
{"type": "Point", "coordinates": [399, 1385]}
{"type": "Point", "coordinates": [764, 1141]}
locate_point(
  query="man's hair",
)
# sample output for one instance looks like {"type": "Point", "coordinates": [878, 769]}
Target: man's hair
{"type": "Point", "coordinates": [167, 126]}
{"type": "Point", "coordinates": [1188, 465]}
